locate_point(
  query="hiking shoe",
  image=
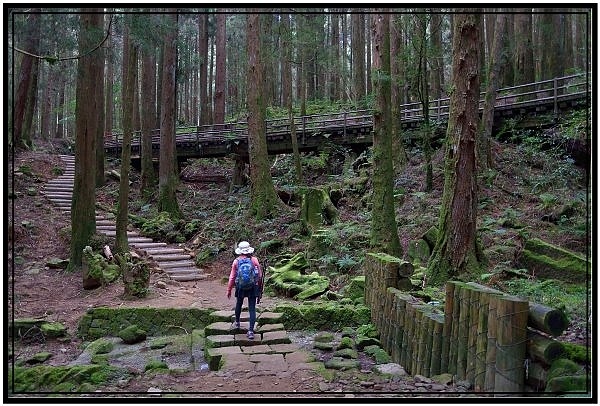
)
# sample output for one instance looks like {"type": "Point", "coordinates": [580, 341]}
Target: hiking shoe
{"type": "Point", "coordinates": [250, 335]}
{"type": "Point", "coordinates": [236, 326]}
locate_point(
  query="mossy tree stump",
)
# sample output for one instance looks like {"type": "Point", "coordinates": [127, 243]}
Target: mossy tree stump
{"type": "Point", "coordinates": [317, 209]}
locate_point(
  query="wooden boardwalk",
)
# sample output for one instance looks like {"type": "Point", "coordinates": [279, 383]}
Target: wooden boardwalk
{"type": "Point", "coordinates": [353, 128]}
{"type": "Point", "coordinates": [171, 259]}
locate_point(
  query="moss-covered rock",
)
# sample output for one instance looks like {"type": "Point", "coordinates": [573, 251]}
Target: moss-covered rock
{"type": "Point", "coordinates": [342, 364]}
{"type": "Point", "coordinates": [323, 337]}
{"type": "Point", "coordinates": [577, 352]}
{"type": "Point", "coordinates": [156, 366]}
{"type": "Point", "coordinates": [58, 379]}
{"type": "Point", "coordinates": [39, 358]}
{"type": "Point", "coordinates": [291, 281]}
{"type": "Point", "coordinates": [348, 332]}
{"type": "Point", "coordinates": [323, 346]}
{"type": "Point", "coordinates": [378, 354]}
{"type": "Point", "coordinates": [419, 252]}
{"type": "Point", "coordinates": [132, 334]}
{"type": "Point", "coordinates": [100, 346]}
{"type": "Point", "coordinates": [355, 288]}
{"type": "Point", "coordinates": [564, 367]}
{"type": "Point", "coordinates": [317, 208]}
{"type": "Point", "coordinates": [345, 342]}
{"type": "Point", "coordinates": [367, 330]}
{"type": "Point", "coordinates": [53, 329]}
{"type": "Point", "coordinates": [362, 342]}
{"type": "Point", "coordinates": [347, 353]}
{"type": "Point", "coordinates": [321, 316]}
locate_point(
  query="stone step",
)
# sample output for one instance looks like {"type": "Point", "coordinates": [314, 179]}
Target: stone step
{"type": "Point", "coordinates": [158, 251]}
{"type": "Point", "coordinates": [186, 278]}
{"type": "Point", "coordinates": [175, 264]}
{"type": "Point", "coordinates": [113, 232]}
{"type": "Point", "coordinates": [183, 271]}
{"type": "Point", "coordinates": [170, 257]}
{"type": "Point", "coordinates": [58, 188]}
{"type": "Point", "coordinates": [132, 240]}
{"type": "Point", "coordinates": [264, 317]}
{"type": "Point", "coordinates": [143, 245]}
{"type": "Point", "coordinates": [105, 222]}
{"type": "Point", "coordinates": [112, 226]}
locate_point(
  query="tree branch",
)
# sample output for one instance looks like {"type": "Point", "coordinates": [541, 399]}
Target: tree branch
{"type": "Point", "coordinates": [53, 59]}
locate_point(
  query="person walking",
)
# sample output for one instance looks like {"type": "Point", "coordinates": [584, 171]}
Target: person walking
{"type": "Point", "coordinates": [246, 277]}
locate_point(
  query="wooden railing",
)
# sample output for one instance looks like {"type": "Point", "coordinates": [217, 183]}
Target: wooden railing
{"type": "Point", "coordinates": [555, 90]}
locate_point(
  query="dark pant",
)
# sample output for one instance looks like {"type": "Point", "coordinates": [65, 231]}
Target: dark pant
{"type": "Point", "coordinates": [240, 295]}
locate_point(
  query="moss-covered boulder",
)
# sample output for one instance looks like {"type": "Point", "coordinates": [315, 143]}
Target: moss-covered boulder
{"type": "Point", "coordinates": [132, 334]}
{"type": "Point", "coordinates": [323, 337]}
{"type": "Point", "coordinates": [161, 227]}
{"type": "Point", "coordinates": [156, 366]}
{"type": "Point", "coordinates": [291, 281]}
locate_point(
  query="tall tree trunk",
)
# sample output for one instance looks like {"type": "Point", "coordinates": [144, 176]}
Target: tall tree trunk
{"type": "Point", "coordinates": [524, 68]}
{"type": "Point", "coordinates": [286, 62]}
{"type": "Point", "coordinates": [27, 81]}
{"type": "Point", "coordinates": [552, 45]}
{"type": "Point", "coordinates": [358, 58]}
{"type": "Point", "coordinates": [221, 69]}
{"type": "Point", "coordinates": [423, 94]}
{"type": "Point", "coordinates": [129, 80]}
{"type": "Point", "coordinates": [159, 83]}
{"type": "Point", "coordinates": [83, 213]}
{"type": "Point", "coordinates": [456, 250]}
{"type": "Point", "coordinates": [148, 177]}
{"type": "Point", "coordinates": [397, 75]}
{"type": "Point", "coordinates": [167, 170]}
{"type": "Point", "coordinates": [100, 59]}
{"type": "Point", "coordinates": [384, 232]}
{"type": "Point", "coordinates": [60, 107]}
{"type": "Point", "coordinates": [508, 46]}
{"type": "Point", "coordinates": [264, 199]}
{"type": "Point", "coordinates": [203, 57]}
{"type": "Point", "coordinates": [496, 63]}
{"type": "Point", "coordinates": [109, 83]}
{"type": "Point", "coordinates": [368, 42]}
{"type": "Point", "coordinates": [48, 97]}
{"type": "Point", "coordinates": [437, 65]}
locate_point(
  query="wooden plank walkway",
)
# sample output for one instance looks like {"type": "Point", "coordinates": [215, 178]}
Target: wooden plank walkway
{"type": "Point", "coordinates": [171, 259]}
{"type": "Point", "coordinates": [353, 128]}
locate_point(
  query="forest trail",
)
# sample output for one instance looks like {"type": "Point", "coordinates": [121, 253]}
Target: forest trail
{"type": "Point", "coordinates": [169, 258]}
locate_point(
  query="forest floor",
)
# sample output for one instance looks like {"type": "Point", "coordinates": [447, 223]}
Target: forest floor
{"type": "Point", "coordinates": [38, 232]}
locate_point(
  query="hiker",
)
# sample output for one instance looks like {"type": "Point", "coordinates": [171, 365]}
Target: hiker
{"type": "Point", "coordinates": [246, 275]}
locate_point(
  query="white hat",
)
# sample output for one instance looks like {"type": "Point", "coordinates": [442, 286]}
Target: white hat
{"type": "Point", "coordinates": [244, 248]}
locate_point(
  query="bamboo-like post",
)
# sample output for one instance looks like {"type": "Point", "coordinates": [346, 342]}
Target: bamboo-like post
{"type": "Point", "coordinates": [490, 358]}
{"type": "Point", "coordinates": [511, 344]}
{"type": "Point", "coordinates": [472, 342]}
{"type": "Point", "coordinates": [408, 341]}
{"type": "Point", "coordinates": [428, 344]}
{"type": "Point", "coordinates": [481, 341]}
{"type": "Point", "coordinates": [453, 346]}
{"type": "Point", "coordinates": [463, 333]}
{"type": "Point", "coordinates": [405, 348]}
{"type": "Point", "coordinates": [400, 306]}
{"type": "Point", "coordinates": [416, 342]}
{"type": "Point", "coordinates": [393, 323]}
{"type": "Point", "coordinates": [437, 344]}
{"type": "Point", "coordinates": [447, 330]}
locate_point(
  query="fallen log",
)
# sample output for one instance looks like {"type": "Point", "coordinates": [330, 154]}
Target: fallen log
{"type": "Point", "coordinates": [543, 349]}
{"type": "Point", "coordinates": [547, 261]}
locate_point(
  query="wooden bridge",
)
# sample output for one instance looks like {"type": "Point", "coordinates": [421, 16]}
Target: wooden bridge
{"type": "Point", "coordinates": [353, 128]}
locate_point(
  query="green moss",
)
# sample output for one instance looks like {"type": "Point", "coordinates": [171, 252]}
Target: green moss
{"type": "Point", "coordinates": [568, 268]}
{"type": "Point", "coordinates": [156, 365]}
{"type": "Point", "coordinates": [132, 334]}
{"type": "Point", "coordinates": [383, 257]}
{"type": "Point", "coordinates": [355, 288]}
{"type": "Point", "coordinates": [53, 329]}
{"type": "Point", "coordinates": [62, 378]}
{"type": "Point", "coordinates": [319, 316]}
{"type": "Point", "coordinates": [346, 342]}
{"type": "Point", "coordinates": [564, 367]}
{"type": "Point", "coordinates": [577, 352]}
{"type": "Point", "coordinates": [324, 337]}
{"type": "Point", "coordinates": [100, 346]}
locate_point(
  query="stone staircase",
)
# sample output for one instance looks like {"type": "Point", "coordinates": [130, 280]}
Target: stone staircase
{"type": "Point", "coordinates": [171, 259]}
{"type": "Point", "coordinates": [271, 350]}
